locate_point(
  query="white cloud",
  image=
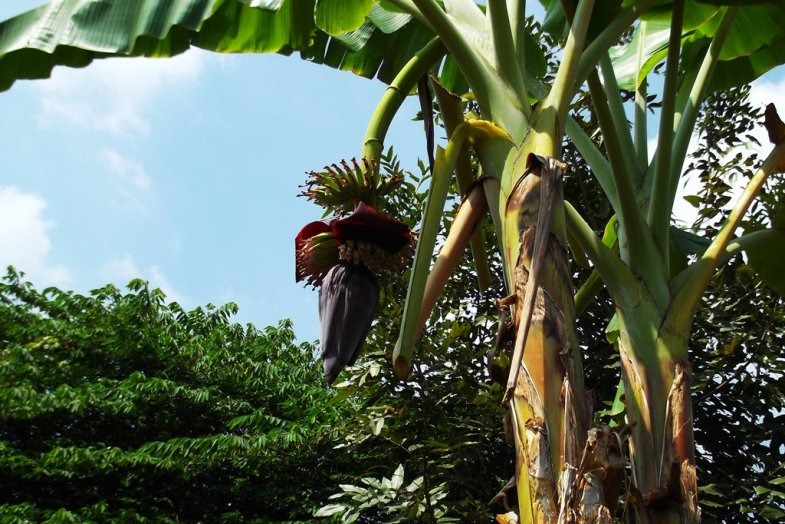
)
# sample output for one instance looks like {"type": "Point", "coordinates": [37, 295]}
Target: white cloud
{"type": "Point", "coordinates": [113, 94]}
{"type": "Point", "coordinates": [24, 238]}
{"type": "Point", "coordinates": [159, 280]}
{"type": "Point", "coordinates": [121, 269]}
{"type": "Point", "coordinates": [683, 211]}
{"type": "Point", "coordinates": [124, 269]}
{"type": "Point", "coordinates": [651, 146]}
{"type": "Point", "coordinates": [128, 176]}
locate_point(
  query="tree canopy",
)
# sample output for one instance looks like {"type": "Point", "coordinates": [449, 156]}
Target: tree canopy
{"type": "Point", "coordinates": [120, 407]}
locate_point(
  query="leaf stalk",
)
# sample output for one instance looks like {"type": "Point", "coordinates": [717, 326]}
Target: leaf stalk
{"type": "Point", "coordinates": [508, 60]}
{"type": "Point", "coordinates": [659, 214]}
{"type": "Point", "coordinates": [693, 281]}
{"type": "Point", "coordinates": [689, 113]}
{"type": "Point", "coordinates": [395, 94]}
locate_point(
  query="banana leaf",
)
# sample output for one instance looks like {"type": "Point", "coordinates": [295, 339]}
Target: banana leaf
{"type": "Point", "coordinates": [76, 32]}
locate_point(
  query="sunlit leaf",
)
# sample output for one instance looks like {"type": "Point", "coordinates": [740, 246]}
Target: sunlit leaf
{"type": "Point", "coordinates": [329, 510]}
{"type": "Point", "coordinates": [388, 21]}
{"type": "Point", "coordinates": [79, 31]}
{"type": "Point", "coordinates": [335, 17]}
{"type": "Point", "coordinates": [397, 478]}
{"type": "Point", "coordinates": [755, 44]}
{"type": "Point", "coordinates": [635, 60]}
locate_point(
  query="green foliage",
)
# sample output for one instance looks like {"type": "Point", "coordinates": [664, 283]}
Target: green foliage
{"type": "Point", "coordinates": [737, 335]}
{"type": "Point", "coordinates": [76, 33]}
{"type": "Point", "coordinates": [739, 397]}
{"type": "Point", "coordinates": [390, 499]}
{"type": "Point", "coordinates": [121, 407]}
{"type": "Point", "coordinates": [725, 158]}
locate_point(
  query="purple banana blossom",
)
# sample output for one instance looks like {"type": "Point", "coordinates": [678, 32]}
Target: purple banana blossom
{"type": "Point", "coordinates": [348, 299]}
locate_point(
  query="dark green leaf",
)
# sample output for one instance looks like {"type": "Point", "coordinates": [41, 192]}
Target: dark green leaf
{"type": "Point", "coordinates": [688, 243]}
{"type": "Point", "coordinates": [768, 260]}
{"type": "Point", "coordinates": [694, 200]}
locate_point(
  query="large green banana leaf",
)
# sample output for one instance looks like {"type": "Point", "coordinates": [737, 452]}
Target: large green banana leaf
{"type": "Point", "coordinates": [361, 37]}
{"type": "Point", "coordinates": [766, 259]}
{"type": "Point", "coordinates": [365, 37]}
{"type": "Point", "coordinates": [555, 21]}
{"type": "Point", "coordinates": [633, 61]}
{"type": "Point", "coordinates": [754, 45]}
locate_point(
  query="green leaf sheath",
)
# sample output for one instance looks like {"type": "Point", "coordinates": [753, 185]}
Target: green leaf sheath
{"type": "Point", "coordinates": [434, 206]}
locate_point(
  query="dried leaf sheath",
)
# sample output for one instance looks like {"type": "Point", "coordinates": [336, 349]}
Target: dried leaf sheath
{"type": "Point", "coordinates": [548, 392]}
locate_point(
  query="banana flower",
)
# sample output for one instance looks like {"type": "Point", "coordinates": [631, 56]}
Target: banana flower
{"type": "Point", "coordinates": [343, 256]}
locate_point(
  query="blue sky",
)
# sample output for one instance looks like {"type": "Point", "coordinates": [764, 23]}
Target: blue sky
{"type": "Point", "coordinates": [184, 172]}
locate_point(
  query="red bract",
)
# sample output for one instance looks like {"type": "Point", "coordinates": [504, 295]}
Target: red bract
{"type": "Point", "coordinates": [366, 224]}
{"type": "Point", "coordinates": [304, 265]}
{"type": "Point", "coordinates": [366, 237]}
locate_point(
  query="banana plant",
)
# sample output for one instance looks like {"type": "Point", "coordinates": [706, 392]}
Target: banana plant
{"type": "Point", "coordinates": [567, 468]}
